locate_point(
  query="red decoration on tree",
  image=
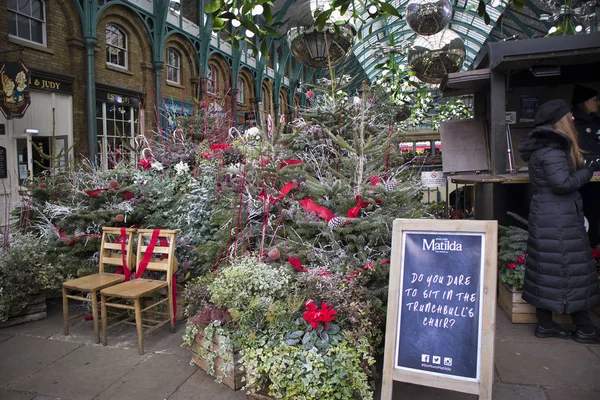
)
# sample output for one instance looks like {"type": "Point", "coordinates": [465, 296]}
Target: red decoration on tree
{"type": "Point", "coordinates": [285, 163]}
{"type": "Point", "coordinates": [95, 192]}
{"type": "Point", "coordinates": [321, 211]}
{"type": "Point", "coordinates": [128, 195]}
{"type": "Point", "coordinates": [120, 218]}
{"type": "Point", "coordinates": [274, 253]}
{"type": "Point", "coordinates": [511, 266]}
{"type": "Point", "coordinates": [42, 186]}
{"type": "Point", "coordinates": [114, 185]}
{"type": "Point", "coordinates": [146, 163]}
{"type": "Point", "coordinates": [297, 264]}
{"type": "Point", "coordinates": [353, 212]}
{"type": "Point", "coordinates": [219, 146]}
{"type": "Point", "coordinates": [522, 258]}
{"type": "Point", "coordinates": [314, 316]}
{"type": "Point", "coordinates": [310, 94]}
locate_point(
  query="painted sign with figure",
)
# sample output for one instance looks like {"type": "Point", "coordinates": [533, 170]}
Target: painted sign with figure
{"type": "Point", "coordinates": [14, 95]}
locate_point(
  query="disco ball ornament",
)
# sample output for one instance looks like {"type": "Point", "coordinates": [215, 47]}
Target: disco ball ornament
{"type": "Point", "coordinates": [403, 113]}
{"type": "Point", "coordinates": [428, 17]}
{"type": "Point", "coordinates": [431, 57]}
{"type": "Point", "coordinates": [310, 45]}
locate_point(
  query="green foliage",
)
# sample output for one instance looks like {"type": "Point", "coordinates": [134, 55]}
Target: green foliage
{"type": "Point", "coordinates": [294, 372]}
{"type": "Point", "coordinates": [248, 277]}
{"type": "Point", "coordinates": [512, 247]}
{"type": "Point", "coordinates": [196, 294]}
{"type": "Point", "coordinates": [453, 109]}
{"type": "Point", "coordinates": [25, 271]}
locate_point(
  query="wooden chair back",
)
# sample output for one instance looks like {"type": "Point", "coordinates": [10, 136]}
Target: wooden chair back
{"type": "Point", "coordinates": [163, 255]}
{"type": "Point", "coordinates": [111, 248]}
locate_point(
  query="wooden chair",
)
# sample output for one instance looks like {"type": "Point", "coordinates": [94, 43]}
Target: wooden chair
{"type": "Point", "coordinates": [116, 247]}
{"type": "Point", "coordinates": [160, 258]}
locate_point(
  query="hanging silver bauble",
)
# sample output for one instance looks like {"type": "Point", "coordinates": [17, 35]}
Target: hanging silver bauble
{"type": "Point", "coordinates": [310, 45]}
{"type": "Point", "coordinates": [403, 112]}
{"type": "Point", "coordinates": [428, 17]}
{"type": "Point", "coordinates": [431, 57]}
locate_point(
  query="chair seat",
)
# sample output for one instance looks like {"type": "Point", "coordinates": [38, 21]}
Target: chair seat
{"type": "Point", "coordinates": [134, 288]}
{"type": "Point", "coordinates": [94, 282]}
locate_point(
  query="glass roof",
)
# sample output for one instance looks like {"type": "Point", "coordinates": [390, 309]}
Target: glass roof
{"type": "Point", "coordinates": [464, 21]}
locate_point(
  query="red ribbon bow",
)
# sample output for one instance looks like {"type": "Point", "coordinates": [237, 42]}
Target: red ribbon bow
{"type": "Point", "coordinates": [321, 211]}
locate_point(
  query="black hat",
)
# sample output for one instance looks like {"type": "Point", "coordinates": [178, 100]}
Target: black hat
{"type": "Point", "coordinates": [582, 93]}
{"type": "Point", "coordinates": [551, 112]}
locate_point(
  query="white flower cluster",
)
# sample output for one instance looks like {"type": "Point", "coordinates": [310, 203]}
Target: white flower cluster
{"type": "Point", "coordinates": [182, 168]}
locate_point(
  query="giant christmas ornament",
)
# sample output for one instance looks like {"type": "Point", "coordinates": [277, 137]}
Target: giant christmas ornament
{"type": "Point", "coordinates": [428, 17]}
{"type": "Point", "coordinates": [310, 45]}
{"type": "Point", "coordinates": [431, 57]}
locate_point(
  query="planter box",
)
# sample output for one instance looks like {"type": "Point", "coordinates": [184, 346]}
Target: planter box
{"type": "Point", "coordinates": [259, 396]}
{"type": "Point", "coordinates": [233, 378]}
{"type": "Point", "coordinates": [519, 311]}
{"type": "Point", "coordinates": [35, 310]}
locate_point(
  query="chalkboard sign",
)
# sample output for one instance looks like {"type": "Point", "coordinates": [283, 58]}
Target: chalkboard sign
{"type": "Point", "coordinates": [441, 305]}
{"type": "Point", "coordinates": [3, 165]}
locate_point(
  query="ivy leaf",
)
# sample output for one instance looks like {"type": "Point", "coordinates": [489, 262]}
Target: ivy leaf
{"type": "Point", "coordinates": [213, 6]}
{"type": "Point", "coordinates": [218, 24]}
{"type": "Point", "coordinates": [389, 9]}
{"type": "Point", "coordinates": [306, 338]}
{"type": "Point", "coordinates": [268, 14]}
{"type": "Point", "coordinates": [270, 31]}
{"type": "Point", "coordinates": [322, 19]}
{"type": "Point", "coordinates": [333, 329]}
{"type": "Point", "coordinates": [292, 342]}
{"type": "Point", "coordinates": [325, 336]}
{"type": "Point", "coordinates": [296, 334]}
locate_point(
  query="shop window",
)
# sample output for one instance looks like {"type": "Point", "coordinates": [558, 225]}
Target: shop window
{"type": "Point", "coordinates": [173, 66]}
{"type": "Point", "coordinates": [211, 80]}
{"type": "Point", "coordinates": [116, 125]}
{"type": "Point", "coordinates": [116, 46]}
{"type": "Point", "coordinates": [27, 20]}
{"type": "Point", "coordinates": [241, 94]}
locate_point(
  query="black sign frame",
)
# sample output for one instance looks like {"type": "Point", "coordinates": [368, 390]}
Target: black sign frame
{"type": "Point", "coordinates": [440, 240]}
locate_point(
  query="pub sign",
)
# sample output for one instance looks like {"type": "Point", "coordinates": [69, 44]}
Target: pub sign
{"type": "Point", "coordinates": [14, 94]}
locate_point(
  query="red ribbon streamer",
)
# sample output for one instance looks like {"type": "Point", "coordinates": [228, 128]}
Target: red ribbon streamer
{"type": "Point", "coordinates": [148, 255]}
{"type": "Point", "coordinates": [374, 180]}
{"type": "Point", "coordinates": [92, 235]}
{"type": "Point", "coordinates": [321, 211]}
{"type": "Point", "coordinates": [95, 192]}
{"type": "Point", "coordinates": [285, 163]}
{"type": "Point", "coordinates": [353, 212]}
{"type": "Point", "coordinates": [286, 189]}
{"type": "Point", "coordinates": [124, 269]}
{"type": "Point", "coordinates": [219, 146]}
{"type": "Point", "coordinates": [297, 264]}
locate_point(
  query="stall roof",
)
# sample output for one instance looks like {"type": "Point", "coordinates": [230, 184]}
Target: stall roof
{"type": "Point", "coordinates": [524, 54]}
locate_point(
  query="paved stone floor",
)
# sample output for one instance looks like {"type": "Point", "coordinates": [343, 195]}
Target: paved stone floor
{"type": "Point", "coordinates": [37, 362]}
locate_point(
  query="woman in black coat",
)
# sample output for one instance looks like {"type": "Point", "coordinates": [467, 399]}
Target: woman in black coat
{"type": "Point", "coordinates": [560, 273]}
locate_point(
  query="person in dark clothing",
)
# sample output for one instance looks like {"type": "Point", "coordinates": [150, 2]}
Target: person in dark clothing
{"type": "Point", "coordinates": [585, 108]}
{"type": "Point", "coordinates": [560, 273]}
{"type": "Point", "coordinates": [586, 102]}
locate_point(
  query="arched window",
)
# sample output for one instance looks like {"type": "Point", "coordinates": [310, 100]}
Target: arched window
{"type": "Point", "coordinates": [116, 46]}
{"type": "Point", "coordinates": [211, 80]}
{"type": "Point", "coordinates": [173, 66]}
{"type": "Point", "coordinates": [27, 20]}
{"type": "Point", "coordinates": [241, 94]}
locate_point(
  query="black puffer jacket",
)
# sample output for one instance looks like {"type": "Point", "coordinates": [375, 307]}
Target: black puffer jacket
{"type": "Point", "coordinates": [560, 273]}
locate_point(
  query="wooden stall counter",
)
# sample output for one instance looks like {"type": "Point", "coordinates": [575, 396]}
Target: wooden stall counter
{"type": "Point", "coordinates": [505, 179]}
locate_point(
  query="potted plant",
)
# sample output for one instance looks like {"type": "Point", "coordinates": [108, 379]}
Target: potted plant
{"type": "Point", "coordinates": [25, 274]}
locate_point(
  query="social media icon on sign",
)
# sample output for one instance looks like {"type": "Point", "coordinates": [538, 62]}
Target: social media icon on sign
{"type": "Point", "coordinates": [437, 359]}
{"type": "Point", "coordinates": [425, 358]}
{"type": "Point", "coordinates": [447, 361]}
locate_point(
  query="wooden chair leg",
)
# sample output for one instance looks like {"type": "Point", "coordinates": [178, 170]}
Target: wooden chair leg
{"type": "Point", "coordinates": [65, 311]}
{"type": "Point", "coordinates": [104, 317]}
{"type": "Point", "coordinates": [94, 295]}
{"type": "Point", "coordinates": [171, 314]}
{"type": "Point", "coordinates": [138, 324]}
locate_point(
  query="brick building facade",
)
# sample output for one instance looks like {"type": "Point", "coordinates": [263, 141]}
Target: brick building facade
{"type": "Point", "coordinates": [55, 41]}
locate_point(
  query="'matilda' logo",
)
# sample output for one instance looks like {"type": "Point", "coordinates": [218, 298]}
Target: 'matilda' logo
{"type": "Point", "coordinates": [441, 245]}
